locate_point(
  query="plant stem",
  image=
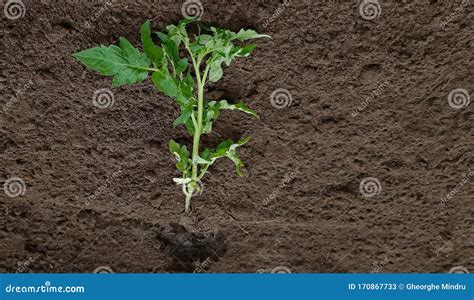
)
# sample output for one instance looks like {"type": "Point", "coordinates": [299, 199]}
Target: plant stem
{"type": "Point", "coordinates": [197, 129]}
{"type": "Point", "coordinates": [187, 202]}
{"type": "Point", "coordinates": [197, 133]}
{"type": "Point", "coordinates": [197, 126]}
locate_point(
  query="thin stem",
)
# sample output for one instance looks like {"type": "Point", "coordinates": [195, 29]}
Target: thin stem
{"type": "Point", "coordinates": [203, 172]}
{"type": "Point", "coordinates": [193, 118]}
{"type": "Point", "coordinates": [187, 202]}
{"type": "Point", "coordinates": [197, 125]}
{"type": "Point", "coordinates": [197, 129]}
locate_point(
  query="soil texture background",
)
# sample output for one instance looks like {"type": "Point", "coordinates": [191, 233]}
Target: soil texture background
{"type": "Point", "coordinates": [362, 160]}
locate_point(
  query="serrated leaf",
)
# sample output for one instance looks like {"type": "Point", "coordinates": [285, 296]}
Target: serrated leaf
{"type": "Point", "coordinates": [223, 104]}
{"type": "Point", "coordinates": [202, 161]}
{"type": "Point", "coordinates": [175, 149]}
{"type": "Point", "coordinates": [203, 39]}
{"type": "Point", "coordinates": [178, 33]}
{"type": "Point", "coordinates": [227, 149]}
{"type": "Point", "coordinates": [206, 154]}
{"type": "Point", "coordinates": [215, 71]}
{"type": "Point", "coordinates": [213, 108]}
{"type": "Point", "coordinates": [163, 36]}
{"type": "Point", "coordinates": [126, 63]}
{"type": "Point", "coordinates": [186, 91]}
{"type": "Point", "coordinates": [183, 118]}
{"type": "Point", "coordinates": [181, 66]}
{"type": "Point", "coordinates": [245, 51]}
{"type": "Point", "coordinates": [182, 156]}
{"type": "Point", "coordinates": [170, 48]}
{"type": "Point", "coordinates": [151, 50]}
{"type": "Point", "coordinates": [190, 127]}
{"type": "Point", "coordinates": [164, 82]}
{"type": "Point", "coordinates": [186, 112]}
{"type": "Point", "coordinates": [248, 34]}
{"type": "Point", "coordinates": [188, 81]}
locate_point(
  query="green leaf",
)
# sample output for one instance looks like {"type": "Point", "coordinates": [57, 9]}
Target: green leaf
{"type": "Point", "coordinates": [245, 51]}
{"type": "Point", "coordinates": [190, 127]}
{"type": "Point", "coordinates": [186, 91]}
{"type": "Point", "coordinates": [227, 149]}
{"type": "Point", "coordinates": [186, 112]}
{"type": "Point", "coordinates": [223, 104]}
{"type": "Point", "coordinates": [215, 71]}
{"type": "Point", "coordinates": [170, 48]}
{"type": "Point", "coordinates": [178, 33]}
{"type": "Point", "coordinates": [203, 39]}
{"type": "Point", "coordinates": [248, 34]}
{"type": "Point", "coordinates": [206, 154]}
{"type": "Point", "coordinates": [185, 115]}
{"type": "Point", "coordinates": [182, 65]}
{"type": "Point", "coordinates": [213, 108]}
{"type": "Point", "coordinates": [151, 50]}
{"type": "Point", "coordinates": [163, 36]}
{"type": "Point", "coordinates": [202, 161]}
{"type": "Point", "coordinates": [127, 64]}
{"type": "Point", "coordinates": [188, 81]}
{"type": "Point", "coordinates": [182, 156]}
{"type": "Point", "coordinates": [164, 82]}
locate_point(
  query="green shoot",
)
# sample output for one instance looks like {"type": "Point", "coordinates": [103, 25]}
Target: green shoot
{"type": "Point", "coordinates": [178, 76]}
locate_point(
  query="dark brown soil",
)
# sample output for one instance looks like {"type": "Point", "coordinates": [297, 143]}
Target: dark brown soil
{"type": "Point", "coordinates": [299, 205]}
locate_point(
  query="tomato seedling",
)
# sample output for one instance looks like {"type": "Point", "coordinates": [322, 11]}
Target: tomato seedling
{"type": "Point", "coordinates": [178, 65]}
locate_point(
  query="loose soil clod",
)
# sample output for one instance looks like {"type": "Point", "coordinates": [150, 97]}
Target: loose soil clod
{"type": "Point", "coordinates": [189, 249]}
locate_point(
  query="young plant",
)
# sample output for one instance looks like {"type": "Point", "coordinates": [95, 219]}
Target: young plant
{"type": "Point", "coordinates": [178, 76]}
